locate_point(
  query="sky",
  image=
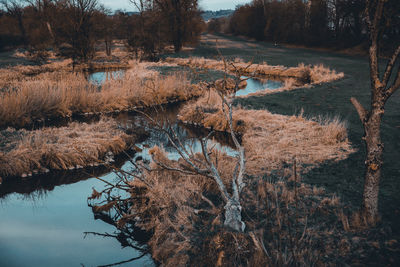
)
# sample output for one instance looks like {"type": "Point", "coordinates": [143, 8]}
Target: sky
{"type": "Point", "coordinates": [204, 4]}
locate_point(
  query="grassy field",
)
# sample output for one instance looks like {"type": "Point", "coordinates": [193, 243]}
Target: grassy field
{"type": "Point", "coordinates": [330, 99]}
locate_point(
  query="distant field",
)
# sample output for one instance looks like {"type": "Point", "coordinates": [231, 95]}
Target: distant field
{"type": "Point", "coordinates": [331, 99]}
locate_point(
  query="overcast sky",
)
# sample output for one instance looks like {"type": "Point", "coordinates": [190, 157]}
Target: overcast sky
{"type": "Point", "coordinates": [204, 4]}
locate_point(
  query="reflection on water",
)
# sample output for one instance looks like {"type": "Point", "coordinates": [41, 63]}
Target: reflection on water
{"type": "Point", "coordinates": [187, 135]}
{"type": "Point", "coordinates": [253, 84]}
{"type": "Point", "coordinates": [49, 229]}
{"type": "Point", "coordinates": [256, 85]}
{"type": "Point", "coordinates": [100, 77]}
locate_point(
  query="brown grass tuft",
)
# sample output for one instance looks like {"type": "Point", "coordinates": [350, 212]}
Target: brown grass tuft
{"type": "Point", "coordinates": [300, 76]}
{"type": "Point", "coordinates": [61, 94]}
{"type": "Point", "coordinates": [288, 223]}
{"type": "Point", "coordinates": [270, 140]}
{"type": "Point", "coordinates": [74, 146]}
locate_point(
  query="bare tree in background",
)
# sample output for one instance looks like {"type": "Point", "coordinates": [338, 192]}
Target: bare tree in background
{"type": "Point", "coordinates": [46, 12]}
{"type": "Point", "coordinates": [15, 9]}
{"type": "Point", "coordinates": [180, 16]}
{"type": "Point", "coordinates": [382, 88]}
{"type": "Point", "coordinates": [79, 27]}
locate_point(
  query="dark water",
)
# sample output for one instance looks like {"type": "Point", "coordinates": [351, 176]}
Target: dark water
{"type": "Point", "coordinates": [43, 222]}
{"type": "Point", "coordinates": [255, 85]}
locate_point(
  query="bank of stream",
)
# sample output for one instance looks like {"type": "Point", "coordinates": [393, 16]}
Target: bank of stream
{"type": "Point", "coordinates": [44, 218]}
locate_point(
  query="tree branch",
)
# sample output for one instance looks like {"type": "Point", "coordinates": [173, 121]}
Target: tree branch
{"type": "Point", "coordinates": [390, 65]}
{"type": "Point", "coordinates": [362, 112]}
{"type": "Point", "coordinates": [395, 86]}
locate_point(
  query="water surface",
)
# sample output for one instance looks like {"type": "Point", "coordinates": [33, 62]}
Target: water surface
{"type": "Point", "coordinates": [99, 77]}
{"type": "Point", "coordinates": [255, 85]}
{"type": "Point", "coordinates": [48, 229]}
{"type": "Point", "coordinates": [45, 224]}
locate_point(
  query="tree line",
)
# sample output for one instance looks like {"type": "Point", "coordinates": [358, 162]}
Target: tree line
{"type": "Point", "coordinates": [336, 23]}
{"type": "Point", "coordinates": [73, 27]}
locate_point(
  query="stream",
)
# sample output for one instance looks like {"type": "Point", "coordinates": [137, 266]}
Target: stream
{"type": "Point", "coordinates": [43, 220]}
{"type": "Point", "coordinates": [256, 85]}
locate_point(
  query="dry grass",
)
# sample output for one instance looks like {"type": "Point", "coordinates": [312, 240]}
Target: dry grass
{"type": "Point", "coordinates": [288, 223]}
{"type": "Point", "coordinates": [62, 94]}
{"type": "Point", "coordinates": [32, 56]}
{"type": "Point", "coordinates": [270, 140]}
{"type": "Point", "coordinates": [10, 75]}
{"type": "Point", "coordinates": [296, 77]}
{"type": "Point", "coordinates": [74, 146]}
{"type": "Point", "coordinates": [169, 204]}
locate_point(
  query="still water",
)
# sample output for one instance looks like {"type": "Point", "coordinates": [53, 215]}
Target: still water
{"type": "Point", "coordinates": [253, 85]}
{"type": "Point", "coordinates": [256, 85]}
{"type": "Point", "coordinates": [49, 230]}
{"type": "Point", "coordinates": [43, 222]}
{"type": "Point", "coordinates": [102, 76]}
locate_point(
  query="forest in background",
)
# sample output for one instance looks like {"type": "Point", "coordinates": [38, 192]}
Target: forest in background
{"type": "Point", "coordinates": [73, 27]}
{"type": "Point", "coordinates": [328, 23]}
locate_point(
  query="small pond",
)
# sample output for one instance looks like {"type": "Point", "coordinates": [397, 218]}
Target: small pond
{"type": "Point", "coordinates": [47, 228]}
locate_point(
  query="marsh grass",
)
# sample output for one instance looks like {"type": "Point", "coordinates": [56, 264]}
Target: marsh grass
{"type": "Point", "coordinates": [19, 73]}
{"type": "Point", "coordinates": [77, 145]}
{"type": "Point", "coordinates": [62, 94]}
{"type": "Point", "coordinates": [295, 77]}
{"type": "Point", "coordinates": [271, 140]}
{"type": "Point", "coordinates": [288, 223]}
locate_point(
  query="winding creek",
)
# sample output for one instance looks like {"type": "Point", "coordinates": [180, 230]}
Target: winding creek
{"type": "Point", "coordinates": [43, 221]}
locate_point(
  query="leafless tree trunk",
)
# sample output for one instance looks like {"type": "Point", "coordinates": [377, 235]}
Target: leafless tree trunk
{"type": "Point", "coordinates": [108, 43]}
{"type": "Point", "coordinates": [381, 90]}
{"type": "Point", "coordinates": [16, 10]}
{"type": "Point", "coordinates": [207, 168]}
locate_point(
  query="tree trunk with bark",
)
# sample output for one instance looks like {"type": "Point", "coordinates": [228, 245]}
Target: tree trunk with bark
{"type": "Point", "coordinates": [381, 90]}
{"type": "Point", "coordinates": [233, 217]}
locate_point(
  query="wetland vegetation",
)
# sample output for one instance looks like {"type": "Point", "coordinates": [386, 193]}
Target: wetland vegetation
{"type": "Point", "coordinates": [151, 144]}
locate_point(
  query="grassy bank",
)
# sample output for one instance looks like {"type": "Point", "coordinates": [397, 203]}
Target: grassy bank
{"type": "Point", "coordinates": [273, 140]}
{"type": "Point", "coordinates": [327, 99]}
{"type": "Point", "coordinates": [62, 94]}
{"type": "Point", "coordinates": [288, 222]}
{"type": "Point", "coordinates": [294, 77]}
{"type": "Point", "coordinates": [24, 153]}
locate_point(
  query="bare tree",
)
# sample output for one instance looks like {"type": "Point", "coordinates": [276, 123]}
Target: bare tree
{"type": "Point", "coordinates": [382, 88]}
{"type": "Point", "coordinates": [46, 13]}
{"type": "Point", "coordinates": [15, 9]}
{"type": "Point", "coordinates": [206, 166]}
{"type": "Point", "coordinates": [79, 27]}
{"type": "Point", "coordinates": [201, 165]}
{"type": "Point", "coordinates": [180, 16]}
